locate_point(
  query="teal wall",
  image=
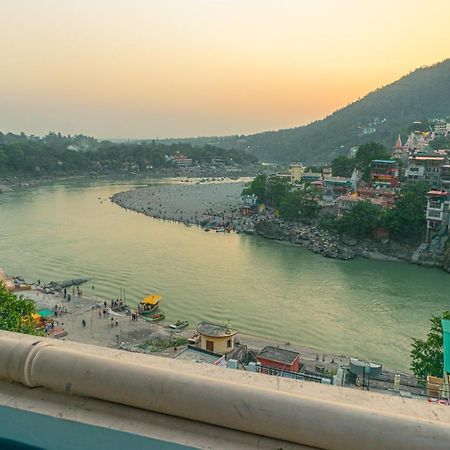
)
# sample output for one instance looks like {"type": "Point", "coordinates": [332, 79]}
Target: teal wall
{"type": "Point", "coordinates": [22, 430]}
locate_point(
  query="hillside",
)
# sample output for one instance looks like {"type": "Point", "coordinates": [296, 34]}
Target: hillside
{"type": "Point", "coordinates": [424, 93]}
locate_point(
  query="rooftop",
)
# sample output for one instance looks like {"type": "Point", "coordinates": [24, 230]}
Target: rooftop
{"type": "Point", "coordinates": [211, 329]}
{"type": "Point", "coordinates": [278, 354]}
{"type": "Point", "coordinates": [384, 161]}
{"type": "Point", "coordinates": [425, 158]}
{"type": "Point", "coordinates": [436, 192]}
{"type": "Point", "coordinates": [194, 354]}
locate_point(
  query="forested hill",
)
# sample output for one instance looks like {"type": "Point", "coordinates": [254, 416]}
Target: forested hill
{"type": "Point", "coordinates": [382, 115]}
{"type": "Point", "coordinates": [55, 154]}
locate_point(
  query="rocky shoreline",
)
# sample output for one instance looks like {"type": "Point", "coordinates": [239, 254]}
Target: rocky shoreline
{"type": "Point", "coordinates": [216, 206]}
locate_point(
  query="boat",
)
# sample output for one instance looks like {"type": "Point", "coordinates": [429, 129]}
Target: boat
{"type": "Point", "coordinates": [148, 304]}
{"type": "Point", "coordinates": [179, 324]}
{"type": "Point", "coordinates": [220, 230]}
{"type": "Point", "coordinates": [207, 229]}
{"type": "Point", "coordinates": [155, 317]}
{"type": "Point", "coordinates": [194, 338]}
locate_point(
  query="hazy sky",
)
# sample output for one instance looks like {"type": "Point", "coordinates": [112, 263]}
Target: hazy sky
{"type": "Point", "coordinates": [159, 68]}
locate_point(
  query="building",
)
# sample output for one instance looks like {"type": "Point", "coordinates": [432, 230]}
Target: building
{"type": "Point", "coordinates": [181, 160]}
{"type": "Point", "coordinates": [248, 204]}
{"type": "Point", "coordinates": [279, 358]}
{"type": "Point", "coordinates": [438, 212]}
{"type": "Point", "coordinates": [384, 173]}
{"type": "Point", "coordinates": [216, 338]}
{"type": "Point", "coordinates": [296, 172]}
{"type": "Point", "coordinates": [198, 355]}
{"type": "Point", "coordinates": [352, 152]}
{"type": "Point", "coordinates": [346, 203]}
{"type": "Point", "coordinates": [335, 187]}
{"type": "Point", "coordinates": [445, 176]}
{"type": "Point", "coordinates": [327, 172]}
{"type": "Point", "coordinates": [310, 177]}
{"type": "Point", "coordinates": [441, 127]}
{"type": "Point", "coordinates": [425, 168]}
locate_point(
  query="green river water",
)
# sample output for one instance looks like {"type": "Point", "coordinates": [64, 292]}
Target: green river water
{"type": "Point", "coordinates": [361, 307]}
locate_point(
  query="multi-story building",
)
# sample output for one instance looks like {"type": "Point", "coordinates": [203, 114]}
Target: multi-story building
{"type": "Point", "coordinates": [438, 212]}
{"type": "Point", "coordinates": [181, 160]}
{"type": "Point", "coordinates": [311, 177]}
{"type": "Point", "coordinates": [440, 127]}
{"type": "Point", "coordinates": [335, 187]}
{"type": "Point", "coordinates": [384, 173]}
{"type": "Point", "coordinates": [425, 168]}
{"type": "Point", "coordinates": [296, 172]}
{"type": "Point", "coordinates": [445, 176]}
{"type": "Point", "coordinates": [327, 172]}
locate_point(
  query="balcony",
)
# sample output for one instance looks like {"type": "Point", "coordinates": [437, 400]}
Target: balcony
{"type": "Point", "coordinates": [152, 402]}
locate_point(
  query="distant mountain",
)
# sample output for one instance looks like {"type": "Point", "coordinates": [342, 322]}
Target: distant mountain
{"type": "Point", "coordinates": [379, 116]}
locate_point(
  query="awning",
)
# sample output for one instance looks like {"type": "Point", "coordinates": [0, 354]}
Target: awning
{"type": "Point", "coordinates": [151, 300]}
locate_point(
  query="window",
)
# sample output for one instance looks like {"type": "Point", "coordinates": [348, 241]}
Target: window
{"type": "Point", "coordinates": [229, 343]}
{"type": "Point", "coordinates": [210, 346]}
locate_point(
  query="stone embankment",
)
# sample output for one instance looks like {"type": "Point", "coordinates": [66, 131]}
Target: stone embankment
{"type": "Point", "coordinates": [310, 237]}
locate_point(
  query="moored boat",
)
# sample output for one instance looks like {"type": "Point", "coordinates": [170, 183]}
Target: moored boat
{"type": "Point", "coordinates": [155, 317]}
{"type": "Point", "coordinates": [194, 338]}
{"type": "Point", "coordinates": [148, 305]}
{"type": "Point", "coordinates": [179, 325]}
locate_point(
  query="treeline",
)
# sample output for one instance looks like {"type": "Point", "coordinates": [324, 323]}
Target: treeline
{"type": "Point", "coordinates": [56, 154]}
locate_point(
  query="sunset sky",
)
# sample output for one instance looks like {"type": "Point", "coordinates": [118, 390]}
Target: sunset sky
{"type": "Point", "coordinates": [173, 68]}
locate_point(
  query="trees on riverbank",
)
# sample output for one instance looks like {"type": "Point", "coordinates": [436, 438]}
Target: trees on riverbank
{"type": "Point", "coordinates": [427, 355]}
{"type": "Point", "coordinates": [16, 314]}
{"type": "Point", "coordinates": [292, 204]}
{"type": "Point", "coordinates": [404, 222]}
{"type": "Point", "coordinates": [59, 155]}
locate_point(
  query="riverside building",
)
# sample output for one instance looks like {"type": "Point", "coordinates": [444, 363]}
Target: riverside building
{"type": "Point", "coordinates": [438, 213]}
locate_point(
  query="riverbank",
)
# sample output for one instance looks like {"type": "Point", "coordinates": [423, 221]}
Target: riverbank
{"type": "Point", "coordinates": [86, 319]}
{"type": "Point", "coordinates": [217, 206]}
{"type": "Point", "coordinates": [8, 183]}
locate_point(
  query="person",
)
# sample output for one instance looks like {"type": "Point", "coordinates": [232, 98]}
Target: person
{"type": "Point", "coordinates": [112, 321]}
{"type": "Point", "coordinates": [117, 322]}
{"type": "Point", "coordinates": [83, 323]}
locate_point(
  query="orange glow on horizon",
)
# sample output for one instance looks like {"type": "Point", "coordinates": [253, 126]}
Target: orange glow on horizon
{"type": "Point", "coordinates": [148, 68]}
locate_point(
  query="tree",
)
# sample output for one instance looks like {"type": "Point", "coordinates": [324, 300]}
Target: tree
{"type": "Point", "coordinates": [361, 221]}
{"type": "Point", "coordinates": [427, 355]}
{"type": "Point", "coordinates": [342, 166]}
{"type": "Point", "coordinates": [257, 187]}
{"type": "Point", "coordinates": [299, 204]}
{"type": "Point", "coordinates": [407, 220]}
{"type": "Point", "coordinates": [277, 188]}
{"type": "Point", "coordinates": [16, 313]}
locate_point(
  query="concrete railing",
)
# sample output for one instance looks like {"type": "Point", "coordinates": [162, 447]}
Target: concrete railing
{"type": "Point", "coordinates": [304, 413]}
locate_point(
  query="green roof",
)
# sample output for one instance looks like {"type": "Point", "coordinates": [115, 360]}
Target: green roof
{"type": "Point", "coordinates": [384, 161]}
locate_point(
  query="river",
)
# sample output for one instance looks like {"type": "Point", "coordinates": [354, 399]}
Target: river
{"type": "Point", "coordinates": [364, 308]}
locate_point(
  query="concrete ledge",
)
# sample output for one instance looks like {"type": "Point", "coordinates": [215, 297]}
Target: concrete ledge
{"type": "Point", "coordinates": [299, 412]}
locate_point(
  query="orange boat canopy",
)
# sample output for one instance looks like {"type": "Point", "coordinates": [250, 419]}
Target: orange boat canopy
{"type": "Point", "coordinates": [151, 300]}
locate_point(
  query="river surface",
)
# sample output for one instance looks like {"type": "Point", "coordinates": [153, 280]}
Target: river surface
{"type": "Point", "coordinates": [364, 308]}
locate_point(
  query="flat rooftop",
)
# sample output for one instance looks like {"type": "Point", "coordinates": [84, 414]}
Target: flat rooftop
{"type": "Point", "coordinates": [213, 330]}
{"type": "Point", "coordinates": [197, 355]}
{"type": "Point", "coordinates": [278, 354]}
